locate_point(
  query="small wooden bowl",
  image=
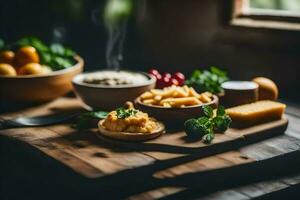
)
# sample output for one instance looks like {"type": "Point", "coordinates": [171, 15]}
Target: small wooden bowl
{"type": "Point", "coordinates": [131, 137]}
{"type": "Point", "coordinates": [174, 117]}
{"type": "Point", "coordinates": [39, 88]}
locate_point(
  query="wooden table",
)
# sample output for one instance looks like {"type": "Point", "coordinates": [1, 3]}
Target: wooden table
{"type": "Point", "coordinates": [58, 162]}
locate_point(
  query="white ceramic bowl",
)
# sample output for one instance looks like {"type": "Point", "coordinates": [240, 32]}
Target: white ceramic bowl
{"type": "Point", "coordinates": [104, 97]}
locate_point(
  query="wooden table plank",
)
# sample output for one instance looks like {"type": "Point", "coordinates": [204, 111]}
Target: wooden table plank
{"type": "Point", "coordinates": [66, 104]}
{"type": "Point", "coordinates": [227, 195]}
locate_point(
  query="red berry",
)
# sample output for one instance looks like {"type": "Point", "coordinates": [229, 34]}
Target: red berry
{"type": "Point", "coordinates": [174, 82]}
{"type": "Point", "coordinates": [158, 76]}
{"type": "Point", "coordinates": [179, 77]}
{"type": "Point", "coordinates": [167, 75]}
{"type": "Point", "coordinates": [159, 81]}
{"type": "Point", "coordinates": [153, 72]}
{"type": "Point", "coordinates": [166, 79]}
{"type": "Point", "coordinates": [165, 82]}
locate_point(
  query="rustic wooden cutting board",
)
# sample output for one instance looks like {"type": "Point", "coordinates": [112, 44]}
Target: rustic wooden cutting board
{"type": "Point", "coordinates": [172, 144]}
{"type": "Point", "coordinates": [94, 156]}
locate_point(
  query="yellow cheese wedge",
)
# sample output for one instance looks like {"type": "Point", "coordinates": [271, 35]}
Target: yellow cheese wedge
{"type": "Point", "coordinates": [255, 113]}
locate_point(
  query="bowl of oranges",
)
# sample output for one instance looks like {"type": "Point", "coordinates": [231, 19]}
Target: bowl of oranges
{"type": "Point", "coordinates": [32, 71]}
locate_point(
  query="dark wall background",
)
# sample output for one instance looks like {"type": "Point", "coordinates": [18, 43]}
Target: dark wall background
{"type": "Point", "coordinates": [75, 23]}
{"type": "Point", "coordinates": [195, 34]}
{"type": "Point", "coordinates": [169, 34]}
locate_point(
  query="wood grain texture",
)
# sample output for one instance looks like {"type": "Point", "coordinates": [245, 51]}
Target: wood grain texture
{"type": "Point", "coordinates": [163, 167]}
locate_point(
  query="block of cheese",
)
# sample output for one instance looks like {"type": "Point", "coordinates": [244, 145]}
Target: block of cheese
{"type": "Point", "coordinates": [255, 113]}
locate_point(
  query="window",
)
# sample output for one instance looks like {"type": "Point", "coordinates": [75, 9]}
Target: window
{"type": "Point", "coordinates": [283, 7]}
{"type": "Point", "coordinates": [274, 14]}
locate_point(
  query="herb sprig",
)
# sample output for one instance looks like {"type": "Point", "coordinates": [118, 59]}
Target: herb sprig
{"type": "Point", "coordinates": [205, 126]}
{"type": "Point", "coordinates": [123, 113]}
{"type": "Point", "coordinates": [207, 80]}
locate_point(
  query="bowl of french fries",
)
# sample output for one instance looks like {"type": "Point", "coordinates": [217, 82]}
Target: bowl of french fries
{"type": "Point", "coordinates": [175, 104]}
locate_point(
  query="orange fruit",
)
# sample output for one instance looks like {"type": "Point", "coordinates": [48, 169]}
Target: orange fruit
{"type": "Point", "coordinates": [30, 69]}
{"type": "Point", "coordinates": [27, 54]}
{"type": "Point", "coordinates": [7, 57]}
{"type": "Point", "coordinates": [7, 70]}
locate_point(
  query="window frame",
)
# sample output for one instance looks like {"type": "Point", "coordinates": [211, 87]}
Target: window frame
{"type": "Point", "coordinates": [241, 16]}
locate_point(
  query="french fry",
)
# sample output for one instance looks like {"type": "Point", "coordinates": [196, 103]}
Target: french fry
{"type": "Point", "coordinates": [175, 96]}
{"type": "Point", "coordinates": [204, 98]}
{"type": "Point", "coordinates": [193, 93]}
{"type": "Point", "coordinates": [168, 93]}
{"type": "Point", "coordinates": [186, 89]}
{"type": "Point", "coordinates": [147, 95]}
{"type": "Point", "coordinates": [177, 102]}
{"type": "Point", "coordinates": [167, 100]}
{"type": "Point", "coordinates": [180, 92]}
{"type": "Point", "coordinates": [208, 94]}
{"type": "Point", "coordinates": [156, 91]}
{"type": "Point", "coordinates": [167, 105]}
{"type": "Point", "coordinates": [149, 101]}
{"type": "Point", "coordinates": [157, 98]}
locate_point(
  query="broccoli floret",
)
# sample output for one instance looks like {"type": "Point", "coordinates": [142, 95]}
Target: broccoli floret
{"type": "Point", "coordinates": [190, 127]}
{"type": "Point", "coordinates": [221, 123]}
{"type": "Point", "coordinates": [208, 138]}
{"type": "Point", "coordinates": [195, 129]}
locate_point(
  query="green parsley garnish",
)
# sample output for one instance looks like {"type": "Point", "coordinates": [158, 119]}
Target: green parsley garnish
{"type": "Point", "coordinates": [205, 126]}
{"type": "Point", "coordinates": [123, 113]}
{"type": "Point", "coordinates": [207, 80]}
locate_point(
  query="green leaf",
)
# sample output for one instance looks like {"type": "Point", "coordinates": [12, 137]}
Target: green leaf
{"type": "Point", "coordinates": [207, 80]}
{"type": "Point", "coordinates": [32, 41]}
{"type": "Point", "coordinates": [61, 63]}
{"type": "Point", "coordinates": [218, 72]}
{"type": "Point", "coordinates": [196, 73]}
{"type": "Point", "coordinates": [97, 114]}
{"type": "Point", "coordinates": [208, 111]}
{"type": "Point", "coordinates": [221, 111]}
{"type": "Point", "coordinates": [84, 120]}
{"type": "Point", "coordinates": [69, 52]}
{"type": "Point", "coordinates": [57, 49]}
{"type": "Point", "coordinates": [208, 138]}
{"type": "Point", "coordinates": [45, 58]}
